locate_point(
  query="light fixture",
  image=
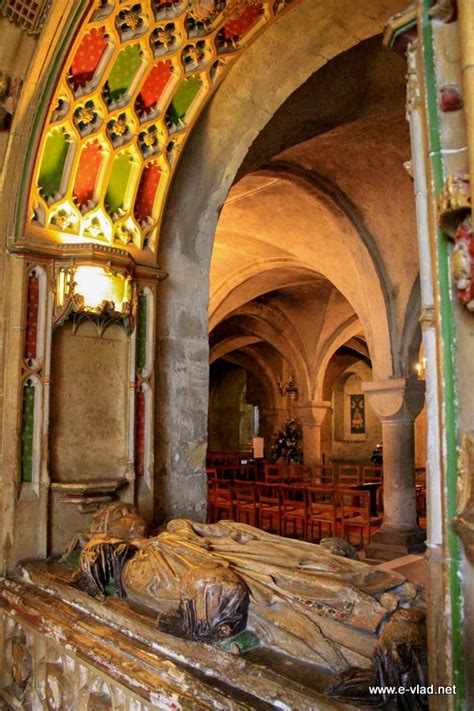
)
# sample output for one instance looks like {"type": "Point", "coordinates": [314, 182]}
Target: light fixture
{"type": "Point", "coordinates": [420, 368]}
{"type": "Point", "coordinates": [92, 291]}
{"type": "Point", "coordinates": [289, 389]}
{"type": "Point", "coordinates": [99, 287]}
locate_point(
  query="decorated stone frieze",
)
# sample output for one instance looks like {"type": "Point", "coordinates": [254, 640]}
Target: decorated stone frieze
{"type": "Point", "coordinates": [454, 209]}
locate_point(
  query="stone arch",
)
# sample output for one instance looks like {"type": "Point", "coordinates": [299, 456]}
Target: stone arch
{"type": "Point", "coordinates": [347, 331]}
{"type": "Point", "coordinates": [410, 341]}
{"type": "Point", "coordinates": [334, 249]}
{"type": "Point", "coordinates": [273, 326]}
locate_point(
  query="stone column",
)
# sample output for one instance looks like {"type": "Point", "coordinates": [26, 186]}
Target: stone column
{"type": "Point", "coordinates": [311, 414]}
{"type": "Point", "coordinates": [397, 403]}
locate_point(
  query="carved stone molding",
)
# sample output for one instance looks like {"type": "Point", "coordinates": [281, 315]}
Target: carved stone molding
{"type": "Point", "coordinates": [30, 16]}
{"type": "Point", "coordinates": [454, 203]}
{"type": "Point", "coordinates": [10, 89]}
{"type": "Point", "coordinates": [463, 523]}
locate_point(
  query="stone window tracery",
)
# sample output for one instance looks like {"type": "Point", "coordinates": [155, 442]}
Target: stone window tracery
{"type": "Point", "coordinates": [132, 86]}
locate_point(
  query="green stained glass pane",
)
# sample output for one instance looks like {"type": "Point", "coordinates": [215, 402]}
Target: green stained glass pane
{"type": "Point", "coordinates": [183, 99]}
{"type": "Point", "coordinates": [118, 183]}
{"type": "Point", "coordinates": [52, 165]}
{"type": "Point", "coordinates": [27, 433]}
{"type": "Point", "coordinates": [141, 331]}
{"type": "Point", "coordinates": [122, 73]}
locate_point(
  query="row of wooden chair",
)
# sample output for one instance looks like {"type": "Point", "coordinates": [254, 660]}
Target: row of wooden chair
{"type": "Point", "coordinates": [346, 475]}
{"type": "Point", "coordinates": [279, 507]}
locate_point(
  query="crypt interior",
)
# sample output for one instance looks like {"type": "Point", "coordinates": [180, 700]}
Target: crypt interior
{"type": "Point", "coordinates": [236, 286]}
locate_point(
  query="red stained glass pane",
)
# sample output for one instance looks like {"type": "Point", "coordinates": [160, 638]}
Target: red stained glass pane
{"type": "Point", "coordinates": [153, 87]}
{"type": "Point", "coordinates": [140, 414]}
{"type": "Point", "coordinates": [241, 25]}
{"type": "Point", "coordinates": [87, 57]}
{"type": "Point", "coordinates": [147, 192]}
{"type": "Point", "coordinates": [87, 172]}
{"type": "Point", "coordinates": [32, 309]}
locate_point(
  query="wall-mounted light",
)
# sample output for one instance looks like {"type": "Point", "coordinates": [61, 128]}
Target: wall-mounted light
{"type": "Point", "coordinates": [92, 291]}
{"type": "Point", "coordinates": [289, 389]}
{"type": "Point", "coordinates": [96, 286]}
{"type": "Point", "coordinates": [420, 368]}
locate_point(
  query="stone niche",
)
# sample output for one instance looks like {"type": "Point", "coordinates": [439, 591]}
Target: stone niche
{"type": "Point", "coordinates": [88, 416]}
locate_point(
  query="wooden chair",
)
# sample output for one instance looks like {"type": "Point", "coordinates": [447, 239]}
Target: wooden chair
{"type": "Point", "coordinates": [269, 506]}
{"type": "Point", "coordinates": [349, 474]}
{"type": "Point", "coordinates": [247, 472]}
{"type": "Point", "coordinates": [297, 474]}
{"type": "Point", "coordinates": [293, 508]}
{"type": "Point", "coordinates": [321, 510]}
{"type": "Point", "coordinates": [274, 473]}
{"type": "Point", "coordinates": [354, 506]}
{"type": "Point", "coordinates": [224, 499]}
{"type": "Point", "coordinates": [211, 494]}
{"type": "Point", "coordinates": [321, 474]}
{"type": "Point", "coordinates": [245, 502]}
{"type": "Point", "coordinates": [372, 473]}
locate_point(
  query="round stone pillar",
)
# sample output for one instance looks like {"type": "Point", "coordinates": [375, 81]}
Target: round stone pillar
{"type": "Point", "coordinates": [311, 414]}
{"type": "Point", "coordinates": [397, 403]}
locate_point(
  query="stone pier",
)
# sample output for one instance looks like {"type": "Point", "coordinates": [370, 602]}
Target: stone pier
{"type": "Point", "coordinates": [397, 403]}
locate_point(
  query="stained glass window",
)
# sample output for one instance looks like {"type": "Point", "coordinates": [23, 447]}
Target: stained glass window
{"type": "Point", "coordinates": [132, 85]}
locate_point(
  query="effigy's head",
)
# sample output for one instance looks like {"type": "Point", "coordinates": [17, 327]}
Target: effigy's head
{"type": "Point", "coordinates": [121, 520]}
{"type": "Point", "coordinates": [214, 603]}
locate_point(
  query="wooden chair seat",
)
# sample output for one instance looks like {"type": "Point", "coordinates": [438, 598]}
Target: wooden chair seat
{"type": "Point", "coordinates": [245, 502]}
{"type": "Point", "coordinates": [224, 499]}
{"type": "Point", "coordinates": [354, 507]}
{"type": "Point", "coordinates": [269, 505]}
{"type": "Point", "coordinates": [321, 510]}
{"type": "Point", "coordinates": [294, 508]}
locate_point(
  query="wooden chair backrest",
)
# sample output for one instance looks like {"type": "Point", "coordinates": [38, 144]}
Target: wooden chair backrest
{"type": "Point", "coordinates": [354, 502]}
{"type": "Point", "coordinates": [371, 473]}
{"type": "Point", "coordinates": [321, 496]}
{"type": "Point", "coordinates": [349, 474]}
{"type": "Point", "coordinates": [274, 473]}
{"type": "Point", "coordinates": [244, 491]}
{"type": "Point", "coordinates": [293, 495]}
{"type": "Point", "coordinates": [224, 489]}
{"type": "Point", "coordinates": [321, 474]}
{"type": "Point", "coordinates": [268, 493]}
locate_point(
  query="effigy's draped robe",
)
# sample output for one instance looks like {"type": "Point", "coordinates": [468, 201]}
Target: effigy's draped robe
{"type": "Point", "coordinates": [304, 601]}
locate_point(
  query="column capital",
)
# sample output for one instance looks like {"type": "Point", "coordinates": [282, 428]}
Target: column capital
{"type": "Point", "coordinates": [312, 412]}
{"type": "Point", "coordinates": [398, 399]}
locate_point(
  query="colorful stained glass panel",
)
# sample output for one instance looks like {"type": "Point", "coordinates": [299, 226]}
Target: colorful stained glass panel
{"type": "Point", "coordinates": [87, 173]}
{"type": "Point", "coordinates": [123, 72]}
{"type": "Point", "coordinates": [52, 165]}
{"type": "Point", "coordinates": [153, 87]}
{"type": "Point", "coordinates": [183, 99]}
{"type": "Point", "coordinates": [146, 193]}
{"type": "Point", "coordinates": [118, 183]}
{"type": "Point", "coordinates": [87, 58]}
